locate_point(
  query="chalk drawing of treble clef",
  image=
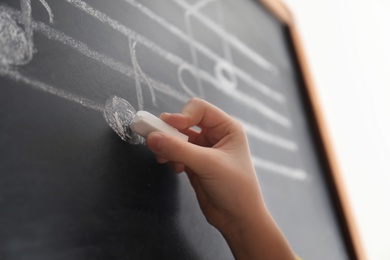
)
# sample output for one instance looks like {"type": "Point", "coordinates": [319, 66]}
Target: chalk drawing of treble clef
{"type": "Point", "coordinates": [16, 43]}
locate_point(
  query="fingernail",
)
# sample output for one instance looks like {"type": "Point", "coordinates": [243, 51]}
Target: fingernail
{"type": "Point", "coordinates": [165, 115]}
{"type": "Point", "coordinates": [154, 141]}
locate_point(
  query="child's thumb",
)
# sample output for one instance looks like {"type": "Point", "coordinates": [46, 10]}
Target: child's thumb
{"type": "Point", "coordinates": [174, 149]}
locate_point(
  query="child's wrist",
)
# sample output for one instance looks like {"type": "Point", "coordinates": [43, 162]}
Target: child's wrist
{"type": "Point", "coordinates": [244, 224]}
{"type": "Point", "coordinates": [258, 237]}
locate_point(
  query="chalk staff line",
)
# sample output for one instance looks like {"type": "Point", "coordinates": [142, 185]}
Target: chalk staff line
{"type": "Point", "coordinates": [51, 33]}
{"type": "Point", "coordinates": [233, 41]}
{"type": "Point", "coordinates": [18, 77]}
{"type": "Point", "coordinates": [174, 59]}
{"type": "Point", "coordinates": [88, 103]}
{"type": "Point", "coordinates": [265, 90]}
{"type": "Point", "coordinates": [128, 71]}
{"type": "Point", "coordinates": [292, 173]}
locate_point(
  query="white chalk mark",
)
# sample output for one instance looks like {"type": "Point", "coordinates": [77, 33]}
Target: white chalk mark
{"type": "Point", "coordinates": [199, 5]}
{"type": "Point", "coordinates": [15, 47]}
{"type": "Point", "coordinates": [107, 61]}
{"type": "Point", "coordinates": [238, 95]}
{"type": "Point", "coordinates": [293, 173]}
{"type": "Point", "coordinates": [26, 20]}
{"type": "Point", "coordinates": [119, 125]}
{"type": "Point", "coordinates": [122, 68]}
{"type": "Point", "coordinates": [265, 90]}
{"type": "Point", "coordinates": [250, 101]}
{"type": "Point", "coordinates": [227, 67]}
{"type": "Point", "coordinates": [26, 13]}
{"type": "Point", "coordinates": [119, 114]}
{"type": "Point", "coordinates": [256, 132]}
{"type": "Point", "coordinates": [225, 44]}
{"type": "Point", "coordinates": [138, 73]}
{"type": "Point", "coordinates": [149, 83]}
{"type": "Point", "coordinates": [194, 58]}
{"type": "Point", "coordinates": [82, 48]}
{"type": "Point", "coordinates": [48, 9]}
{"type": "Point", "coordinates": [25, 6]}
{"type": "Point", "coordinates": [230, 83]}
{"type": "Point", "coordinates": [53, 34]}
{"type": "Point", "coordinates": [240, 46]}
{"type": "Point", "coordinates": [16, 76]}
{"type": "Point", "coordinates": [180, 70]}
{"type": "Point", "coordinates": [193, 51]}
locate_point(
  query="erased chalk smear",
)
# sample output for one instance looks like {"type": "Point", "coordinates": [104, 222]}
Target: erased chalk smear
{"type": "Point", "coordinates": [119, 114]}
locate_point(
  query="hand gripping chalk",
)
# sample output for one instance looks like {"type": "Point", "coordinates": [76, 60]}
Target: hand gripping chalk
{"type": "Point", "coordinates": [144, 123]}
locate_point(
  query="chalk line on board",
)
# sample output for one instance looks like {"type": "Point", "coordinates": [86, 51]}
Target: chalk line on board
{"type": "Point", "coordinates": [82, 48]}
{"type": "Point", "coordinates": [16, 76]}
{"type": "Point", "coordinates": [256, 132]}
{"type": "Point", "coordinates": [293, 173]}
{"type": "Point", "coordinates": [238, 95]}
{"type": "Point", "coordinates": [17, 45]}
{"type": "Point", "coordinates": [222, 65]}
{"type": "Point", "coordinates": [25, 6]}
{"type": "Point", "coordinates": [252, 102]}
{"type": "Point", "coordinates": [296, 174]}
{"type": "Point", "coordinates": [194, 56]}
{"type": "Point", "coordinates": [136, 74]}
{"type": "Point", "coordinates": [234, 41]}
{"type": "Point", "coordinates": [48, 9]}
{"type": "Point", "coordinates": [248, 79]}
{"type": "Point", "coordinates": [120, 67]}
{"type": "Point", "coordinates": [225, 66]}
{"type": "Point", "coordinates": [139, 73]}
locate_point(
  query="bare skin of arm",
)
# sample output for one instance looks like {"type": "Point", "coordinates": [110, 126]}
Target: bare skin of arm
{"type": "Point", "coordinates": [218, 163]}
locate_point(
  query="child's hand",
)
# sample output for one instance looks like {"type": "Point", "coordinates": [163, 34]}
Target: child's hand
{"type": "Point", "coordinates": [218, 163]}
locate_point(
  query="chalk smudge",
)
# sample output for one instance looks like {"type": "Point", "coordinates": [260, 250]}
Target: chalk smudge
{"type": "Point", "coordinates": [15, 47]}
{"type": "Point", "coordinates": [119, 114]}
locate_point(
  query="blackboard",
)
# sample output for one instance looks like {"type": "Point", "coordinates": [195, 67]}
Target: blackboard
{"type": "Point", "coordinates": [70, 188]}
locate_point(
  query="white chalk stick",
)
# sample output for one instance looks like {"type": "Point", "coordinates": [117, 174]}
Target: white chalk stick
{"type": "Point", "coordinates": [144, 123]}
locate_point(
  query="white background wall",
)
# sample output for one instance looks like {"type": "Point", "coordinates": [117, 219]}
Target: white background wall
{"type": "Point", "coordinates": [348, 47]}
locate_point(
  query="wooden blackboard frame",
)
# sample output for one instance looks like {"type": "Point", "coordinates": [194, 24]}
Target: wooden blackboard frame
{"type": "Point", "coordinates": [335, 181]}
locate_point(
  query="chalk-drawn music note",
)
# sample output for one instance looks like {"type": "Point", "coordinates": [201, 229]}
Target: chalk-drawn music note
{"type": "Point", "coordinates": [223, 69]}
{"type": "Point", "coordinates": [225, 66]}
{"type": "Point", "coordinates": [17, 43]}
{"type": "Point", "coordinates": [138, 74]}
{"type": "Point", "coordinates": [194, 57]}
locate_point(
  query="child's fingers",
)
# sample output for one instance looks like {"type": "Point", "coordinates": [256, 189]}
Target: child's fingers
{"type": "Point", "coordinates": [177, 167]}
{"type": "Point", "coordinates": [176, 150]}
{"type": "Point", "coordinates": [204, 114]}
{"type": "Point", "coordinates": [161, 160]}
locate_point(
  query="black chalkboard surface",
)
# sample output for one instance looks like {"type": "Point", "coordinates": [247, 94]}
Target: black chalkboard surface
{"type": "Point", "coordinates": [70, 188]}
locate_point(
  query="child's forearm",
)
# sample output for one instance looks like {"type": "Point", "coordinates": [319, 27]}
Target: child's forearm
{"type": "Point", "coordinates": [260, 238]}
{"type": "Point", "coordinates": [218, 163]}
